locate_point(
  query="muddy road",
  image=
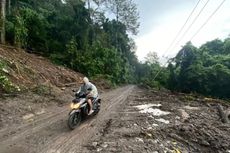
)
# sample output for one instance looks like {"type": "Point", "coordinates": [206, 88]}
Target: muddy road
{"type": "Point", "coordinates": [163, 122]}
{"type": "Point", "coordinates": [49, 133]}
{"type": "Point", "coordinates": [131, 119]}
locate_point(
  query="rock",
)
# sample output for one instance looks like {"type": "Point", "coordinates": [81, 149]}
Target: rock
{"type": "Point", "coordinates": [94, 144]}
{"type": "Point", "coordinates": [99, 149]}
{"type": "Point", "coordinates": [184, 114]}
{"type": "Point", "coordinates": [149, 135]}
{"type": "Point", "coordinates": [139, 140]}
{"type": "Point", "coordinates": [177, 117]}
{"type": "Point", "coordinates": [105, 145]}
{"type": "Point", "coordinates": [162, 120]}
{"type": "Point", "coordinates": [155, 125]}
{"type": "Point", "coordinates": [191, 108]}
{"type": "Point", "coordinates": [28, 116]}
{"type": "Point", "coordinates": [40, 112]}
{"type": "Point", "coordinates": [205, 143]}
{"type": "Point", "coordinates": [149, 128]}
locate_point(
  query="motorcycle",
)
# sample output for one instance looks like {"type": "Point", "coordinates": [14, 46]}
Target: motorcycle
{"type": "Point", "coordinates": [80, 109]}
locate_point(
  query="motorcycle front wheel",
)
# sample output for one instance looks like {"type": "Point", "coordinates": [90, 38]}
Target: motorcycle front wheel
{"type": "Point", "coordinates": [74, 120]}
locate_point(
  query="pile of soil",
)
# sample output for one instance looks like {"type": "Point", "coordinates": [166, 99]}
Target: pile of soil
{"type": "Point", "coordinates": [28, 70]}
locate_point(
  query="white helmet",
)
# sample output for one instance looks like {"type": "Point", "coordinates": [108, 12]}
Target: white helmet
{"type": "Point", "coordinates": [85, 80]}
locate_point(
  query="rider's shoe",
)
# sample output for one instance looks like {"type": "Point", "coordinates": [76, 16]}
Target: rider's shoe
{"type": "Point", "coordinates": [90, 112]}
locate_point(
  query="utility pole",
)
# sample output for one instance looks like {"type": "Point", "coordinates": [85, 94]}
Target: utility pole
{"type": "Point", "coordinates": [2, 21]}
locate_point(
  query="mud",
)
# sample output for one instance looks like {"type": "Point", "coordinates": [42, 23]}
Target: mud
{"type": "Point", "coordinates": [48, 132]}
{"type": "Point", "coordinates": [132, 119]}
{"type": "Point", "coordinates": [192, 125]}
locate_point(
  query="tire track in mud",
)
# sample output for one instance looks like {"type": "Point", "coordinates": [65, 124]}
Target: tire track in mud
{"type": "Point", "coordinates": [49, 134]}
{"type": "Point", "coordinates": [14, 133]}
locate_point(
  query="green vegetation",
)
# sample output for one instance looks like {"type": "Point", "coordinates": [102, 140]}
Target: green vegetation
{"type": "Point", "coordinates": [83, 38]}
{"type": "Point", "coordinates": [203, 70]}
{"type": "Point", "coordinates": [77, 36]}
{"type": "Point", "coordinates": [5, 83]}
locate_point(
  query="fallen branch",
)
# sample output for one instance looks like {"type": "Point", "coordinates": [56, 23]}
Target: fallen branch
{"type": "Point", "coordinates": [224, 115]}
{"type": "Point", "coordinates": [70, 84]}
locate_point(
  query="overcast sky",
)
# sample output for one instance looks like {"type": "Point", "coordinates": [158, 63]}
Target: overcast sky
{"type": "Point", "coordinates": [162, 19]}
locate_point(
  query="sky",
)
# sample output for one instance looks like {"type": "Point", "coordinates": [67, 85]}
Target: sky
{"type": "Point", "coordinates": [161, 20]}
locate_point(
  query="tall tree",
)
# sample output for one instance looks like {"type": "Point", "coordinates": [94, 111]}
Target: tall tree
{"type": "Point", "coordinates": [126, 13]}
{"type": "Point", "coordinates": [2, 20]}
{"type": "Point", "coordinates": [152, 58]}
{"type": "Point", "coordinates": [9, 7]}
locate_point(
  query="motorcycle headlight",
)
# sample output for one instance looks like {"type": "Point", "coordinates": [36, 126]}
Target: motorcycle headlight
{"type": "Point", "coordinates": [75, 106]}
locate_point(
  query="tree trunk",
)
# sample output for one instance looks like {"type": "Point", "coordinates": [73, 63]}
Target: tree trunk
{"type": "Point", "coordinates": [9, 6]}
{"type": "Point", "coordinates": [224, 115]}
{"type": "Point", "coordinates": [2, 20]}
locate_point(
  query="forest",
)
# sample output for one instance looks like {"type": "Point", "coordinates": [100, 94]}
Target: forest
{"type": "Point", "coordinates": [82, 36]}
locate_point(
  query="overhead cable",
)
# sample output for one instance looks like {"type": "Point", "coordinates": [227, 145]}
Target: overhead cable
{"type": "Point", "coordinates": [206, 21]}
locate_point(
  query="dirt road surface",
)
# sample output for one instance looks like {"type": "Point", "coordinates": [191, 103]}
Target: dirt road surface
{"type": "Point", "coordinates": [132, 120]}
{"type": "Point", "coordinates": [50, 134]}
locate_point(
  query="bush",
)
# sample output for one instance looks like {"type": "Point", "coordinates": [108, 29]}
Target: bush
{"type": "Point", "coordinates": [5, 84]}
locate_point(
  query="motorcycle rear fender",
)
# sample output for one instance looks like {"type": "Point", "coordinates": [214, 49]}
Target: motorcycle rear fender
{"type": "Point", "coordinates": [74, 111]}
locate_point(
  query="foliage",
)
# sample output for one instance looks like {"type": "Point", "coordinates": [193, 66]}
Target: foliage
{"type": "Point", "coordinates": [80, 37]}
{"type": "Point", "coordinates": [5, 83]}
{"type": "Point", "coordinates": [151, 73]}
{"type": "Point", "coordinates": [125, 12]}
{"type": "Point", "coordinates": [20, 33]}
{"type": "Point", "coordinates": [203, 70]}
{"type": "Point", "coordinates": [72, 35]}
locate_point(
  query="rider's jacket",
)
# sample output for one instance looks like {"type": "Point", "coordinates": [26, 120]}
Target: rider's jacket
{"type": "Point", "coordinates": [89, 87]}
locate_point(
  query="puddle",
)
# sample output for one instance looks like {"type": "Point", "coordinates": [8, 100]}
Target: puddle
{"type": "Point", "coordinates": [154, 111]}
{"type": "Point", "coordinates": [155, 125]}
{"type": "Point", "coordinates": [162, 120]}
{"type": "Point", "coordinates": [145, 106]}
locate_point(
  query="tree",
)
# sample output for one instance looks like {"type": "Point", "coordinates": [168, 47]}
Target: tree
{"type": "Point", "coordinates": [125, 11]}
{"type": "Point", "coordinates": [214, 47]}
{"type": "Point", "coordinates": [227, 46]}
{"type": "Point", "coordinates": [75, 35]}
{"type": "Point", "coordinates": [9, 7]}
{"type": "Point", "coordinates": [152, 58]}
{"type": "Point", "coordinates": [2, 20]}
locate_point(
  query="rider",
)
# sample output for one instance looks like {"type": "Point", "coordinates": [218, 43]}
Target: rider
{"type": "Point", "coordinates": [90, 90]}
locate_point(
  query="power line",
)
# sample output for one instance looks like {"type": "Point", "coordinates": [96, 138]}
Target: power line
{"type": "Point", "coordinates": [202, 9]}
{"type": "Point", "coordinates": [213, 13]}
{"type": "Point", "coordinates": [182, 28]}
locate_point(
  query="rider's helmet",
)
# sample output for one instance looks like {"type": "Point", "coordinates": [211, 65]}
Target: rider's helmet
{"type": "Point", "coordinates": [85, 80]}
